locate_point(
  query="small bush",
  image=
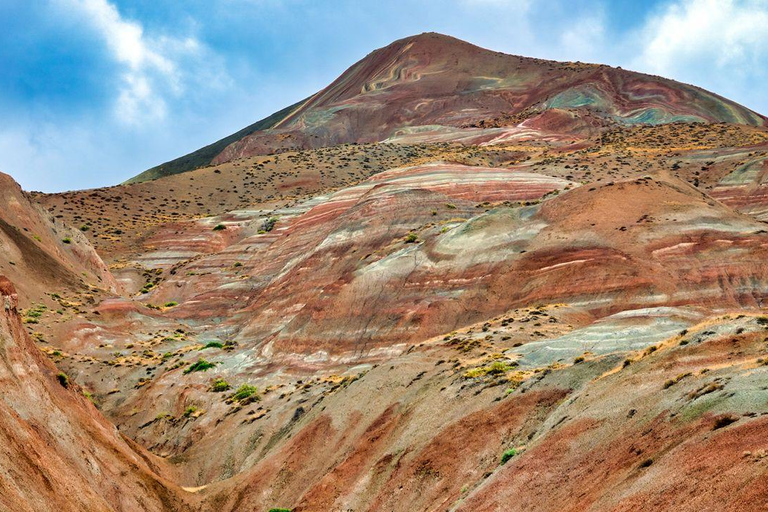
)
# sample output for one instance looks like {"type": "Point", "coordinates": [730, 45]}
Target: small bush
{"type": "Point", "coordinates": [200, 366]}
{"type": "Point", "coordinates": [219, 227]}
{"type": "Point", "coordinates": [220, 385]}
{"type": "Point", "coordinates": [189, 411]}
{"type": "Point", "coordinates": [578, 360]}
{"type": "Point", "coordinates": [269, 224]}
{"type": "Point", "coordinates": [246, 394]}
{"type": "Point", "coordinates": [63, 379]}
{"type": "Point", "coordinates": [171, 304]}
{"type": "Point", "coordinates": [280, 510]}
{"type": "Point", "coordinates": [724, 421]}
{"type": "Point", "coordinates": [85, 227]}
{"type": "Point", "coordinates": [508, 455]}
{"type": "Point", "coordinates": [213, 344]}
{"type": "Point", "coordinates": [411, 238]}
{"type": "Point", "coordinates": [67, 240]}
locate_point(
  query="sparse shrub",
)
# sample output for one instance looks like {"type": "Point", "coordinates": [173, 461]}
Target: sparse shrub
{"type": "Point", "coordinates": [213, 344]}
{"type": "Point", "coordinates": [246, 394]}
{"type": "Point", "coordinates": [189, 411]}
{"type": "Point", "coordinates": [724, 421]}
{"type": "Point", "coordinates": [269, 224]}
{"type": "Point", "coordinates": [220, 385]}
{"type": "Point", "coordinates": [63, 379]}
{"type": "Point", "coordinates": [411, 238]}
{"type": "Point", "coordinates": [578, 360]}
{"type": "Point", "coordinates": [508, 454]}
{"type": "Point", "coordinates": [219, 227]}
{"type": "Point", "coordinates": [200, 366]}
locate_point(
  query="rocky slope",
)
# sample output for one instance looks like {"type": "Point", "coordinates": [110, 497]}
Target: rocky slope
{"type": "Point", "coordinates": [56, 450]}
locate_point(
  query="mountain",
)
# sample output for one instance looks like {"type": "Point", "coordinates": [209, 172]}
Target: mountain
{"type": "Point", "coordinates": [437, 86]}
{"type": "Point", "coordinates": [543, 289]}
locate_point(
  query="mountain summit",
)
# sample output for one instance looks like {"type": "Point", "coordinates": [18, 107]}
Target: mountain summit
{"type": "Point", "coordinates": [433, 87]}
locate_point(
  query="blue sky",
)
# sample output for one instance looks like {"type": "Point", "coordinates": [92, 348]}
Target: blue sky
{"type": "Point", "coordinates": [93, 92]}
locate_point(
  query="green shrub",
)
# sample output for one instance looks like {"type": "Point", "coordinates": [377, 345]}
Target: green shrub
{"type": "Point", "coordinates": [219, 227]}
{"type": "Point", "coordinates": [171, 304]}
{"type": "Point", "coordinates": [220, 385]}
{"type": "Point", "coordinates": [66, 240]}
{"type": "Point", "coordinates": [189, 411]}
{"type": "Point", "coordinates": [508, 455]}
{"type": "Point", "coordinates": [213, 344]}
{"type": "Point", "coordinates": [200, 366]}
{"type": "Point", "coordinates": [246, 394]}
{"type": "Point", "coordinates": [280, 510]}
{"type": "Point", "coordinates": [269, 224]}
{"type": "Point", "coordinates": [63, 379]}
{"type": "Point", "coordinates": [411, 238]}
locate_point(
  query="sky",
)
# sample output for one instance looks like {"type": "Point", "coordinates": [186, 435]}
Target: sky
{"type": "Point", "coordinates": [92, 92]}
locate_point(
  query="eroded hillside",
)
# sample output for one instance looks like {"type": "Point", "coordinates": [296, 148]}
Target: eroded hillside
{"type": "Point", "coordinates": [554, 307]}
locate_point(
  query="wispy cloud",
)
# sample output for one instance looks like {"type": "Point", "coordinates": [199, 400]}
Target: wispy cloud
{"type": "Point", "coordinates": [706, 34]}
{"type": "Point", "coordinates": [150, 64]}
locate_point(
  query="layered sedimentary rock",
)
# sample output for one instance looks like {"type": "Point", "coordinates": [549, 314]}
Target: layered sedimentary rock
{"type": "Point", "coordinates": [545, 291]}
{"type": "Point", "coordinates": [416, 252]}
{"type": "Point", "coordinates": [431, 82]}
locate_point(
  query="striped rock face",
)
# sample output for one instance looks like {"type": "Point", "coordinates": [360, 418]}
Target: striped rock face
{"type": "Point", "coordinates": [416, 252]}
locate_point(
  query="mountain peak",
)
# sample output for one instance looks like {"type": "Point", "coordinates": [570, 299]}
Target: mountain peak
{"type": "Point", "coordinates": [432, 86]}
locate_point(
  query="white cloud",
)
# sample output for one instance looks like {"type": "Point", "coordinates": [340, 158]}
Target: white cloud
{"type": "Point", "coordinates": [585, 38]}
{"type": "Point", "coordinates": [705, 34]}
{"type": "Point", "coordinates": [151, 65]}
